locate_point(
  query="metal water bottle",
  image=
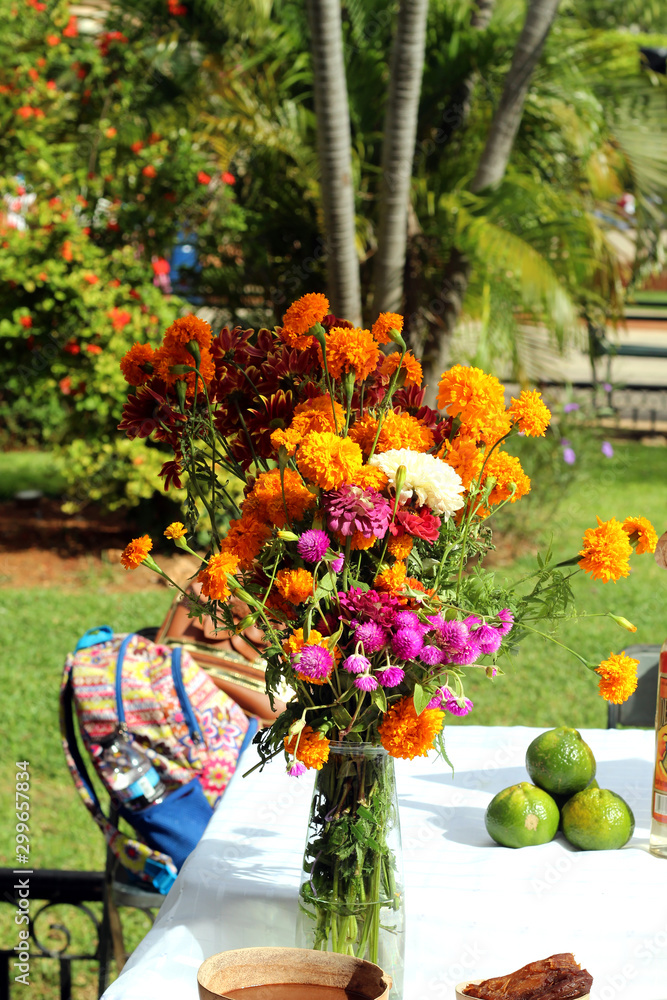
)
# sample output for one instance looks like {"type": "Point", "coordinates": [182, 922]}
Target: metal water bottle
{"type": "Point", "coordinates": [129, 773]}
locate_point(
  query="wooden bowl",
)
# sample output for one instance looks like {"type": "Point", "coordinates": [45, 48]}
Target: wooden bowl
{"type": "Point", "coordinates": [460, 995]}
{"type": "Point", "coordinates": [235, 970]}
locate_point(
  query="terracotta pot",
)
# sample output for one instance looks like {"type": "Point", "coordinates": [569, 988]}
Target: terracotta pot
{"type": "Point", "coordinates": [235, 970]}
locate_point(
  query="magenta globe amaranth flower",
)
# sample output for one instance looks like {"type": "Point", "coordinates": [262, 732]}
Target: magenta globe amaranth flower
{"type": "Point", "coordinates": [365, 683]}
{"type": "Point", "coordinates": [506, 619]}
{"type": "Point", "coordinates": [313, 661]}
{"type": "Point", "coordinates": [407, 643]}
{"type": "Point", "coordinates": [489, 639]}
{"type": "Point", "coordinates": [312, 545]}
{"type": "Point", "coordinates": [456, 708]}
{"type": "Point", "coordinates": [467, 654]}
{"type": "Point", "coordinates": [371, 635]}
{"type": "Point", "coordinates": [432, 655]}
{"type": "Point", "coordinates": [338, 563]}
{"type": "Point", "coordinates": [406, 619]}
{"type": "Point", "coordinates": [357, 664]}
{"type": "Point", "coordinates": [390, 677]}
{"type": "Point", "coordinates": [297, 769]}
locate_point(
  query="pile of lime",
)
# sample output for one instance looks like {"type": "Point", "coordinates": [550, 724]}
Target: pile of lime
{"type": "Point", "coordinates": [565, 793]}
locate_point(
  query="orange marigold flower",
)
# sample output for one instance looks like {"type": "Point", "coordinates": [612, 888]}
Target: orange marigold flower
{"type": "Point", "coordinates": [508, 473]}
{"type": "Point", "coordinates": [301, 316]}
{"type": "Point", "coordinates": [136, 551]}
{"type": "Point", "coordinates": [137, 364]}
{"type": "Point", "coordinates": [405, 734]}
{"type": "Point", "coordinates": [383, 324]}
{"type": "Point", "coordinates": [410, 365]}
{"type": "Point", "coordinates": [175, 530]}
{"type": "Point", "coordinates": [245, 538]}
{"type": "Point", "coordinates": [400, 547]}
{"type": "Point", "coordinates": [214, 577]}
{"type": "Point", "coordinates": [312, 749]}
{"type": "Point", "coordinates": [295, 585]}
{"type": "Point", "coordinates": [641, 533]}
{"type": "Point", "coordinates": [363, 432]}
{"type": "Point", "coordinates": [358, 542]}
{"type": "Point", "coordinates": [351, 350]}
{"type": "Point", "coordinates": [464, 457]}
{"type": "Point", "coordinates": [167, 358]}
{"type": "Point", "coordinates": [186, 329]}
{"type": "Point", "coordinates": [529, 413]}
{"type": "Point", "coordinates": [371, 477]}
{"type": "Point", "coordinates": [329, 461]}
{"type": "Point", "coordinates": [402, 430]}
{"type": "Point", "coordinates": [606, 551]}
{"type": "Point", "coordinates": [618, 677]}
{"type": "Point", "coordinates": [392, 579]}
{"type": "Point", "coordinates": [266, 502]}
{"type": "Point", "coordinates": [477, 398]}
{"type": "Point", "coordinates": [313, 415]}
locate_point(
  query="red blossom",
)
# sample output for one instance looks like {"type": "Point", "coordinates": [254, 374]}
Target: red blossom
{"type": "Point", "coordinates": [93, 348]}
{"type": "Point", "coordinates": [420, 523]}
{"type": "Point", "coordinates": [52, 40]}
{"type": "Point", "coordinates": [228, 178]}
{"type": "Point", "coordinates": [149, 171]}
{"type": "Point", "coordinates": [137, 146]}
{"type": "Point", "coordinates": [26, 321]}
{"type": "Point", "coordinates": [203, 177]}
{"type": "Point", "coordinates": [119, 317]}
{"type": "Point", "coordinates": [72, 30]}
{"type": "Point", "coordinates": [72, 347]}
{"type": "Point", "coordinates": [171, 473]}
{"type": "Point", "coordinates": [160, 266]}
{"type": "Point", "coordinates": [92, 279]}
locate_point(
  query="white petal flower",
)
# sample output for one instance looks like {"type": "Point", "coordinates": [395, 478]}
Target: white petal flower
{"type": "Point", "coordinates": [434, 482]}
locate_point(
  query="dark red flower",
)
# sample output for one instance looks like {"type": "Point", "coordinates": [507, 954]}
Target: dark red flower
{"type": "Point", "coordinates": [420, 523]}
{"type": "Point", "coordinates": [171, 473]}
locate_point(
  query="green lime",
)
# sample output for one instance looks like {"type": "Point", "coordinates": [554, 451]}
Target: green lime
{"type": "Point", "coordinates": [560, 800]}
{"type": "Point", "coordinates": [597, 820]}
{"type": "Point", "coordinates": [522, 816]}
{"type": "Point", "coordinates": [560, 762]}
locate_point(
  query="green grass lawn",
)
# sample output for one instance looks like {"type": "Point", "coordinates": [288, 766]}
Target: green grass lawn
{"type": "Point", "coordinates": [29, 470]}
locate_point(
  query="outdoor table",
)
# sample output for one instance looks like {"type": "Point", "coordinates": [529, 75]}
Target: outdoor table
{"type": "Point", "coordinates": [473, 909]}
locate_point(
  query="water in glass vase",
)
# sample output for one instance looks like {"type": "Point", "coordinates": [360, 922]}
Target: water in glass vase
{"type": "Point", "coordinates": [351, 896]}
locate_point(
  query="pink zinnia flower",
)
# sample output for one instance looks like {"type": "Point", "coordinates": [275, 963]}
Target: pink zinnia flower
{"type": "Point", "coordinates": [407, 643]}
{"type": "Point", "coordinates": [352, 509]}
{"type": "Point", "coordinates": [313, 545]}
{"type": "Point", "coordinates": [313, 661]}
{"type": "Point", "coordinates": [372, 635]}
{"type": "Point", "coordinates": [390, 677]}
{"type": "Point", "coordinates": [356, 664]}
{"type": "Point", "coordinates": [365, 683]}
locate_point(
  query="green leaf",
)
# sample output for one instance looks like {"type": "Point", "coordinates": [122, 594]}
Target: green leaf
{"type": "Point", "coordinates": [421, 698]}
{"type": "Point", "coordinates": [366, 813]}
{"type": "Point", "coordinates": [379, 698]}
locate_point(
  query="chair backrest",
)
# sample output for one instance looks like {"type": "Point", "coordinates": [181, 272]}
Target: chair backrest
{"type": "Point", "coordinates": [639, 709]}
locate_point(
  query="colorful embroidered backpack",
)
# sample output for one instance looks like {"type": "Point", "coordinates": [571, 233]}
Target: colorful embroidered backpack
{"type": "Point", "coordinates": [191, 731]}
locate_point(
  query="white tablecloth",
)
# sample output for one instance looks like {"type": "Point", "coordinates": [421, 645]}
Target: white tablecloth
{"type": "Point", "coordinates": [473, 908]}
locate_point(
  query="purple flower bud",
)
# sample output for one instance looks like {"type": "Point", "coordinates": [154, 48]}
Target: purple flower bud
{"type": "Point", "coordinates": [297, 769]}
{"type": "Point", "coordinates": [436, 700]}
{"type": "Point", "coordinates": [407, 642]}
{"type": "Point", "coordinates": [338, 563]}
{"type": "Point", "coordinates": [390, 677]}
{"type": "Point", "coordinates": [365, 683]}
{"type": "Point", "coordinates": [313, 545]}
{"type": "Point", "coordinates": [356, 664]}
{"type": "Point", "coordinates": [570, 407]}
{"type": "Point", "coordinates": [607, 449]}
{"type": "Point", "coordinates": [607, 386]}
{"type": "Point", "coordinates": [569, 456]}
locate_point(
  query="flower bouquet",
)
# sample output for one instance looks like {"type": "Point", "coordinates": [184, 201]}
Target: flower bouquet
{"type": "Point", "coordinates": [358, 548]}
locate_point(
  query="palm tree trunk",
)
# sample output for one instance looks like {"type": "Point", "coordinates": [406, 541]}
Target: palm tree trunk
{"type": "Point", "coordinates": [400, 131]}
{"type": "Point", "coordinates": [505, 125]}
{"type": "Point", "coordinates": [490, 171]}
{"type": "Point", "coordinates": [336, 180]}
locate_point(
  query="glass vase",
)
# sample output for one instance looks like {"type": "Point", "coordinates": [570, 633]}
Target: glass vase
{"type": "Point", "coordinates": [351, 896]}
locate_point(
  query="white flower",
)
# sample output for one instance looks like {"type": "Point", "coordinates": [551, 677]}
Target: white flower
{"type": "Point", "coordinates": [434, 482]}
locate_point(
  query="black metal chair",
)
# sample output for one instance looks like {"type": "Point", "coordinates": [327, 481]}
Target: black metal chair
{"type": "Point", "coordinates": [639, 709]}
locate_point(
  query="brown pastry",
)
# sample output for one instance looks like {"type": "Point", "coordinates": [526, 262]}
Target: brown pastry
{"type": "Point", "coordinates": [556, 978]}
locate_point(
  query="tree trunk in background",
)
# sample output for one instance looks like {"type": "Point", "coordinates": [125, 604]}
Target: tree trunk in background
{"type": "Point", "coordinates": [398, 147]}
{"type": "Point", "coordinates": [505, 125]}
{"type": "Point", "coordinates": [457, 112]}
{"type": "Point", "coordinates": [491, 169]}
{"type": "Point", "coordinates": [333, 141]}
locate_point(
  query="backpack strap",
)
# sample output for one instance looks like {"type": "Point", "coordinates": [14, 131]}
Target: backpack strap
{"type": "Point", "coordinates": [148, 865]}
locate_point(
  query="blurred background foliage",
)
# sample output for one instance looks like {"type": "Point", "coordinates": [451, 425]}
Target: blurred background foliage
{"type": "Point", "coordinates": [148, 126]}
